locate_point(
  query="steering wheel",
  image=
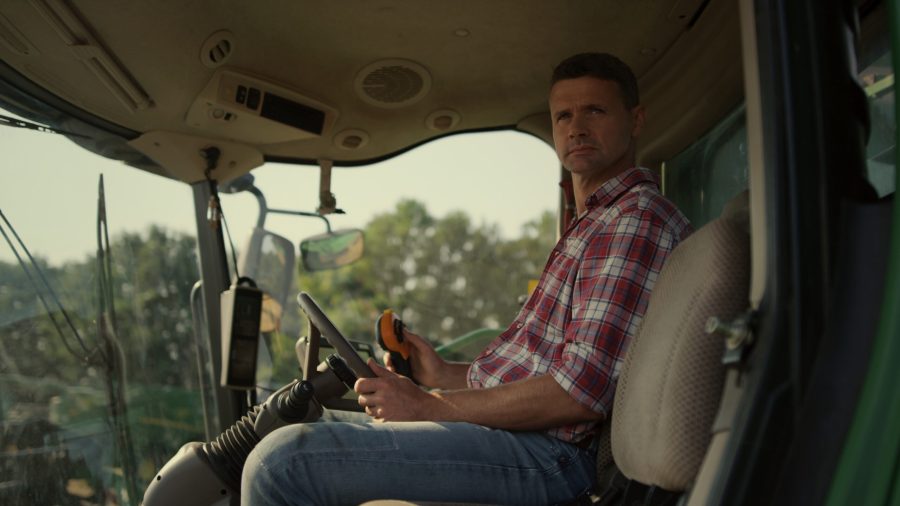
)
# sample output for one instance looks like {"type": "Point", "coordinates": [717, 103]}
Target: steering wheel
{"type": "Point", "coordinates": [334, 336]}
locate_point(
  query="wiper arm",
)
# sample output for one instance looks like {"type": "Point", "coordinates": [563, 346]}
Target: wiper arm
{"type": "Point", "coordinates": [19, 123]}
{"type": "Point", "coordinates": [107, 330]}
{"type": "Point", "coordinates": [88, 353]}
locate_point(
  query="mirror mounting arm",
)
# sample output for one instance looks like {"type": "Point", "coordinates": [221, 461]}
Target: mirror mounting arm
{"type": "Point", "coordinates": [303, 213]}
{"type": "Point", "coordinates": [263, 207]}
{"type": "Point", "coordinates": [327, 200]}
{"type": "Point", "coordinates": [245, 183]}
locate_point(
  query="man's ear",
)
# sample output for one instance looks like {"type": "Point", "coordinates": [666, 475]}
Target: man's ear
{"type": "Point", "coordinates": [637, 117]}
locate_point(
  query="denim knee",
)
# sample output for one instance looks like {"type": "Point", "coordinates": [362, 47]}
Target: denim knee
{"type": "Point", "coordinates": [263, 474]}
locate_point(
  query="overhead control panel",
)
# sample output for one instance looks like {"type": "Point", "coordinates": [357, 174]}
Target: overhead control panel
{"type": "Point", "coordinates": [256, 111]}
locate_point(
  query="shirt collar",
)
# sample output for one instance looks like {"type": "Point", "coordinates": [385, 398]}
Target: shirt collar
{"type": "Point", "coordinates": [612, 189]}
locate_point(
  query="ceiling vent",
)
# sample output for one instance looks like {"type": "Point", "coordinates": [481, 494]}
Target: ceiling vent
{"type": "Point", "coordinates": [217, 49]}
{"type": "Point", "coordinates": [392, 83]}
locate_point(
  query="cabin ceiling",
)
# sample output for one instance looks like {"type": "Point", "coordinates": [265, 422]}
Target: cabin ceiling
{"type": "Point", "coordinates": [372, 77]}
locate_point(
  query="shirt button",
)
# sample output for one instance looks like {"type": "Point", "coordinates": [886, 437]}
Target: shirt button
{"type": "Point", "coordinates": [518, 325]}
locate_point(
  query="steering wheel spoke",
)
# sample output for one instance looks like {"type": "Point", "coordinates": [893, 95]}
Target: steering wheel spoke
{"type": "Point", "coordinates": [331, 334]}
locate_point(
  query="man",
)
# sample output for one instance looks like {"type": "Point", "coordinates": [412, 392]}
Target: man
{"type": "Point", "coordinates": [516, 425]}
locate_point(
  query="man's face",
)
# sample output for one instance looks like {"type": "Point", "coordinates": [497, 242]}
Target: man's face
{"type": "Point", "coordinates": [593, 131]}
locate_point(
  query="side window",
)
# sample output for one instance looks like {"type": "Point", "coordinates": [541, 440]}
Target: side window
{"type": "Point", "coordinates": [705, 176]}
{"type": "Point", "coordinates": [702, 178]}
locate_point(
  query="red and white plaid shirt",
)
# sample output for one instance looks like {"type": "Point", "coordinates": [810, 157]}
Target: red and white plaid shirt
{"type": "Point", "coordinates": [591, 297]}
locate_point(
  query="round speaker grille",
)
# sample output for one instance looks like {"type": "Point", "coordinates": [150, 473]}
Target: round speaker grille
{"type": "Point", "coordinates": [393, 83]}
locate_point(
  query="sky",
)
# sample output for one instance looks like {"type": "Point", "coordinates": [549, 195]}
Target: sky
{"type": "Point", "coordinates": [48, 190]}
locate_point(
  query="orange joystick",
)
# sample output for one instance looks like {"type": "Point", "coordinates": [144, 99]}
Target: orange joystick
{"type": "Point", "coordinates": [389, 334]}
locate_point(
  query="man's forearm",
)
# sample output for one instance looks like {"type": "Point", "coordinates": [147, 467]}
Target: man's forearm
{"type": "Point", "coordinates": [453, 376]}
{"type": "Point", "coordinates": [531, 404]}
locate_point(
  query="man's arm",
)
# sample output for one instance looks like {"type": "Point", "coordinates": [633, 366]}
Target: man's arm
{"type": "Point", "coordinates": [533, 403]}
{"type": "Point", "coordinates": [616, 272]}
{"type": "Point", "coordinates": [429, 368]}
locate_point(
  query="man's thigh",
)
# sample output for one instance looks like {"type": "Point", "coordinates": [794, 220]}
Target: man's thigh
{"type": "Point", "coordinates": [352, 462]}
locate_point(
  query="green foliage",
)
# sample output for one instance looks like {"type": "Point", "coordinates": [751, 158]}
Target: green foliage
{"type": "Point", "coordinates": [153, 277]}
{"type": "Point", "coordinates": [56, 382]}
{"type": "Point", "coordinates": [445, 276]}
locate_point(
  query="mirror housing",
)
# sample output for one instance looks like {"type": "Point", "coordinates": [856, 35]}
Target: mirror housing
{"type": "Point", "coordinates": [332, 249]}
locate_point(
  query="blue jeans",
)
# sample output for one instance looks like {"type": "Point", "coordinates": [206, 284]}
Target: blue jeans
{"type": "Point", "coordinates": [344, 459]}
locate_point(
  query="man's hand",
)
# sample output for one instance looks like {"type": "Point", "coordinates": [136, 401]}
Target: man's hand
{"type": "Point", "coordinates": [429, 369]}
{"type": "Point", "coordinates": [534, 403]}
{"type": "Point", "coordinates": [391, 397]}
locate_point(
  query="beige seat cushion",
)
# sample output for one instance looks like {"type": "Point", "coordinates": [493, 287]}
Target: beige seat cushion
{"type": "Point", "coordinates": [671, 382]}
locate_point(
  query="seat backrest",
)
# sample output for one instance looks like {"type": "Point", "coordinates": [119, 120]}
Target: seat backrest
{"type": "Point", "coordinates": [672, 378]}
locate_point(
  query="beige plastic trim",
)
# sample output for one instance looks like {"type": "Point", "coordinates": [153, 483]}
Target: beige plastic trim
{"type": "Point", "coordinates": [708, 470]}
{"type": "Point", "coordinates": [98, 59]}
{"type": "Point", "coordinates": [755, 158]}
{"type": "Point", "coordinates": [216, 110]}
{"type": "Point", "coordinates": [712, 462]}
{"type": "Point", "coordinates": [538, 125]}
{"type": "Point", "coordinates": [682, 95]}
{"type": "Point", "coordinates": [15, 40]}
{"type": "Point", "coordinates": [180, 155]}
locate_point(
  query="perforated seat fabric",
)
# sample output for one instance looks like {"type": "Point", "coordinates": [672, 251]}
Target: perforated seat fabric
{"type": "Point", "coordinates": [672, 378]}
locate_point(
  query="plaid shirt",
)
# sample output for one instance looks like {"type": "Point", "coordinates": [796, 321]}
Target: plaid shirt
{"type": "Point", "coordinates": [591, 297]}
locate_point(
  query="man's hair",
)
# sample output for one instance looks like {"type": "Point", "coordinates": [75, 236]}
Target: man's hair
{"type": "Point", "coordinates": [602, 66]}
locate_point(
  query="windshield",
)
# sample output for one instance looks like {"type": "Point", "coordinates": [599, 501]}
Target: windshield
{"type": "Point", "coordinates": [100, 369]}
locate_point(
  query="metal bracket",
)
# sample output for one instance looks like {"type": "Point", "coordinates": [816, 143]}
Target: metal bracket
{"type": "Point", "coordinates": [738, 336]}
{"type": "Point", "coordinates": [327, 201]}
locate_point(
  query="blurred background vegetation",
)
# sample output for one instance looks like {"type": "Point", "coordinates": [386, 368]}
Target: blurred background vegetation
{"type": "Point", "coordinates": [67, 440]}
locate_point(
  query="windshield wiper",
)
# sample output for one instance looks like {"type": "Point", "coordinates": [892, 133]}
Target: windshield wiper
{"type": "Point", "coordinates": [19, 123]}
{"type": "Point", "coordinates": [108, 334]}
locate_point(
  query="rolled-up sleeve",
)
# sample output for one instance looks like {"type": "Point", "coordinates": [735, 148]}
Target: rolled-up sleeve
{"type": "Point", "coordinates": [615, 275]}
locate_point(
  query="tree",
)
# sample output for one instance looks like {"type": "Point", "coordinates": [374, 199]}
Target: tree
{"type": "Point", "coordinates": [59, 377]}
{"type": "Point", "coordinates": [444, 276]}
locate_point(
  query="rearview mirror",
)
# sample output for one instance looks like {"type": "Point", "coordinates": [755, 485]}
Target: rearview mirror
{"type": "Point", "coordinates": [331, 249]}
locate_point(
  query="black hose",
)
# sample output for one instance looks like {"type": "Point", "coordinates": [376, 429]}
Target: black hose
{"type": "Point", "coordinates": [227, 454]}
